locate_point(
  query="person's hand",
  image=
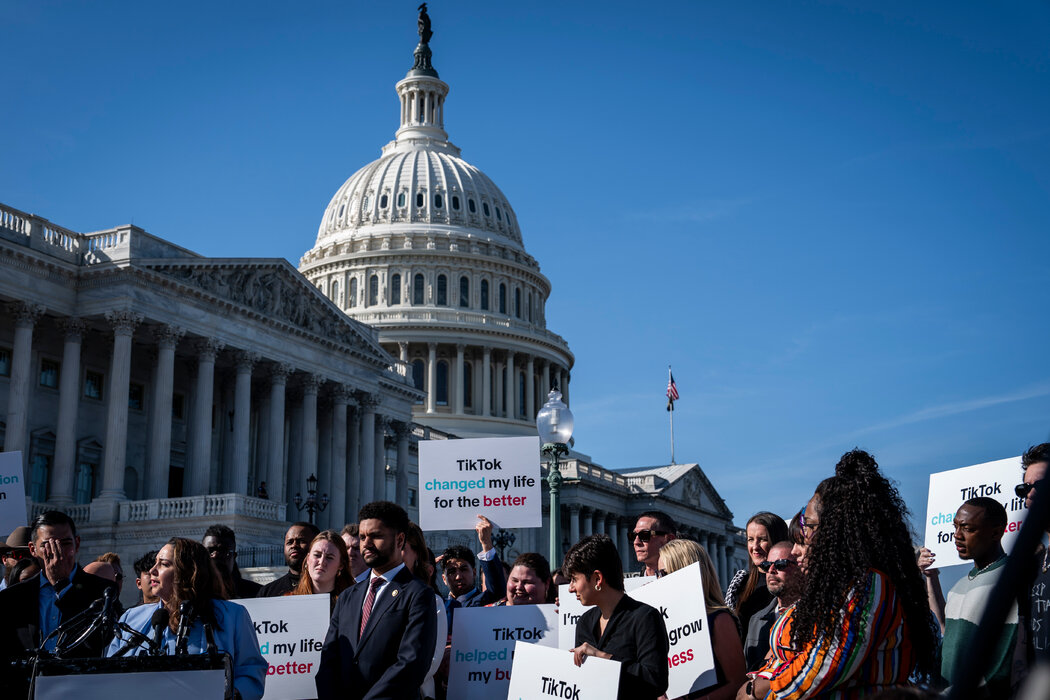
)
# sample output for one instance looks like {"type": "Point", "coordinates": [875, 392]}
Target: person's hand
{"type": "Point", "coordinates": [484, 528]}
{"type": "Point", "coordinates": [58, 562]}
{"type": "Point", "coordinates": [926, 559]}
{"type": "Point", "coordinates": [586, 649]}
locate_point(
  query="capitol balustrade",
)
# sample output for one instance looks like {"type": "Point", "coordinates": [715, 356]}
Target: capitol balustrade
{"type": "Point", "coordinates": [208, 506]}
{"type": "Point", "coordinates": [403, 314]}
{"type": "Point", "coordinates": [37, 233]}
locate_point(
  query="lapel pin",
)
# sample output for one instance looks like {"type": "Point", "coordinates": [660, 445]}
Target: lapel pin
{"type": "Point", "coordinates": [393, 593]}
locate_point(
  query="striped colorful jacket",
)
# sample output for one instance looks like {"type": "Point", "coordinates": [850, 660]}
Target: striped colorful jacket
{"type": "Point", "coordinates": [870, 652]}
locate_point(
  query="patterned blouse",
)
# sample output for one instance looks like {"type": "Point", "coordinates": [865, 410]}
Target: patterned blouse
{"type": "Point", "coordinates": [870, 652]}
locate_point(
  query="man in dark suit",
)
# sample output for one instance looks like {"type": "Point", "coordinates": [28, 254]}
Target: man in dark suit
{"type": "Point", "coordinates": [381, 639]}
{"type": "Point", "coordinates": [784, 579]}
{"type": "Point", "coordinates": [31, 610]}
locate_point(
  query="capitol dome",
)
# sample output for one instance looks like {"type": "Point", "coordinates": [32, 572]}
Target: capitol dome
{"type": "Point", "coordinates": [426, 249]}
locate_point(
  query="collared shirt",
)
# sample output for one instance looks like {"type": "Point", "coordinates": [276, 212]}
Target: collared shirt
{"type": "Point", "coordinates": [50, 615]}
{"type": "Point", "coordinates": [387, 576]}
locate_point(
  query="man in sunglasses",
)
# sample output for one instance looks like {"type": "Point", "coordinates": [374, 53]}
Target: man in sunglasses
{"type": "Point", "coordinates": [1035, 599]}
{"type": "Point", "coordinates": [15, 549]}
{"type": "Point", "coordinates": [784, 580]}
{"type": "Point", "coordinates": [653, 530]}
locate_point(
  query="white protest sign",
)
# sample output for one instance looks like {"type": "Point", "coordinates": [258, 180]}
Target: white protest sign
{"type": "Point", "coordinates": [950, 489]}
{"type": "Point", "coordinates": [570, 609]}
{"type": "Point", "coordinates": [495, 477]}
{"type": "Point", "coordinates": [680, 598]}
{"type": "Point", "coordinates": [291, 630]}
{"type": "Point", "coordinates": [12, 493]}
{"type": "Point", "coordinates": [483, 646]}
{"type": "Point", "coordinates": [542, 672]}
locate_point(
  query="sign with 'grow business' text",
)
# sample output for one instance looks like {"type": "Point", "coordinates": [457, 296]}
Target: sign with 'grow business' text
{"type": "Point", "coordinates": [495, 477]}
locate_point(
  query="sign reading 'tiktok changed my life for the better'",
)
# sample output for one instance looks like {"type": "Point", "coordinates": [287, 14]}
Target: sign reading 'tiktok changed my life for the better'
{"type": "Point", "coordinates": [495, 477]}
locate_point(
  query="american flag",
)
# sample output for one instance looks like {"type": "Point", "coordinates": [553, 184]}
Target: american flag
{"type": "Point", "coordinates": [672, 391]}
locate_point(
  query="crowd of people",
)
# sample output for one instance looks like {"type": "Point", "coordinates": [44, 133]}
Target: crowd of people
{"type": "Point", "coordinates": [835, 602]}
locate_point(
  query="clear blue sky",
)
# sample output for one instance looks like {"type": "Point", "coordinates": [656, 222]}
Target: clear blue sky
{"type": "Point", "coordinates": [831, 218]}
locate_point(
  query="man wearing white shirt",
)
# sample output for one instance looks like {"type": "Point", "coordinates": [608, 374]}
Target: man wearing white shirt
{"type": "Point", "coordinates": [380, 642]}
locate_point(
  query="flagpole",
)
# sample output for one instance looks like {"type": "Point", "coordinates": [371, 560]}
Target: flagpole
{"type": "Point", "coordinates": [670, 411]}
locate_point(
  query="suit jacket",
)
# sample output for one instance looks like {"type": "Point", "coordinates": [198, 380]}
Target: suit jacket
{"type": "Point", "coordinates": [394, 653]}
{"type": "Point", "coordinates": [756, 645]}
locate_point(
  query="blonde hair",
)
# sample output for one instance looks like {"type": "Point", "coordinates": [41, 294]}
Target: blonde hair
{"type": "Point", "coordinates": [679, 553]}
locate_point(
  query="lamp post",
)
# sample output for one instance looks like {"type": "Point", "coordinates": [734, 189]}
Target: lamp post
{"type": "Point", "coordinates": [312, 504]}
{"type": "Point", "coordinates": [554, 425]}
{"type": "Point", "coordinates": [502, 540]}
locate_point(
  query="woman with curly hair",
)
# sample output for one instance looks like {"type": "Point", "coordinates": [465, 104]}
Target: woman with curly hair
{"type": "Point", "coordinates": [184, 572]}
{"type": "Point", "coordinates": [746, 593]}
{"type": "Point", "coordinates": [326, 568]}
{"type": "Point", "coordinates": [862, 624]}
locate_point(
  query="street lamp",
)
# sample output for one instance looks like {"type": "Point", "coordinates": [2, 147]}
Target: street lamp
{"type": "Point", "coordinates": [312, 504]}
{"type": "Point", "coordinates": [554, 424]}
{"type": "Point", "coordinates": [502, 540]}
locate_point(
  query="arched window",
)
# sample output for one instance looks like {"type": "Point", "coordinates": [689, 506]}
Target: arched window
{"type": "Point", "coordinates": [353, 292]}
{"type": "Point", "coordinates": [470, 205]}
{"type": "Point", "coordinates": [373, 290]}
{"type": "Point", "coordinates": [419, 199]}
{"type": "Point", "coordinates": [438, 202]}
{"type": "Point", "coordinates": [442, 383]}
{"type": "Point", "coordinates": [383, 201]}
{"type": "Point", "coordinates": [517, 302]}
{"type": "Point", "coordinates": [455, 202]}
{"type": "Point", "coordinates": [468, 384]}
{"type": "Point", "coordinates": [418, 374]}
{"type": "Point", "coordinates": [484, 295]}
{"type": "Point", "coordinates": [418, 288]}
{"type": "Point", "coordinates": [395, 288]}
{"type": "Point", "coordinates": [485, 208]}
{"type": "Point", "coordinates": [502, 298]}
{"type": "Point", "coordinates": [464, 291]}
{"type": "Point", "coordinates": [442, 291]}
{"type": "Point", "coordinates": [499, 214]}
{"type": "Point", "coordinates": [400, 199]}
{"type": "Point", "coordinates": [335, 293]}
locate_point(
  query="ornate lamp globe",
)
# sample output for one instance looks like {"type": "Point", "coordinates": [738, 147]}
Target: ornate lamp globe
{"type": "Point", "coordinates": [554, 421]}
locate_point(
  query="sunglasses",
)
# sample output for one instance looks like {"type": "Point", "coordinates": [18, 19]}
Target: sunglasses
{"type": "Point", "coordinates": [646, 535]}
{"type": "Point", "coordinates": [778, 565]}
{"type": "Point", "coordinates": [1022, 490]}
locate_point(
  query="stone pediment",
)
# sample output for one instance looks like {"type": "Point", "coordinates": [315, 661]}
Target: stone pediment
{"type": "Point", "coordinates": [278, 292]}
{"type": "Point", "coordinates": [685, 483]}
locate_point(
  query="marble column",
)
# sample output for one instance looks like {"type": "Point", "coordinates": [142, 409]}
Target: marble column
{"type": "Point", "coordinates": [486, 381]}
{"type": "Point", "coordinates": [599, 521]}
{"type": "Point", "coordinates": [379, 485]}
{"type": "Point", "coordinates": [545, 384]}
{"type": "Point", "coordinates": [308, 458]}
{"type": "Point", "coordinates": [203, 395]}
{"type": "Point", "coordinates": [26, 315]}
{"type": "Point", "coordinates": [530, 389]}
{"type": "Point", "coordinates": [114, 453]}
{"type": "Point", "coordinates": [625, 545]}
{"type": "Point", "coordinates": [367, 488]}
{"type": "Point", "coordinates": [431, 376]}
{"type": "Point", "coordinates": [610, 529]}
{"type": "Point", "coordinates": [587, 522]}
{"type": "Point", "coordinates": [723, 565]}
{"type": "Point", "coordinates": [459, 379]}
{"type": "Point", "coordinates": [61, 491]}
{"type": "Point", "coordinates": [574, 523]}
{"type": "Point", "coordinates": [510, 386]}
{"type": "Point", "coordinates": [167, 338]}
{"type": "Point", "coordinates": [353, 476]}
{"type": "Point", "coordinates": [497, 409]}
{"type": "Point", "coordinates": [242, 421]}
{"type": "Point", "coordinates": [337, 504]}
{"type": "Point", "coordinates": [403, 432]}
{"type": "Point", "coordinates": [275, 449]}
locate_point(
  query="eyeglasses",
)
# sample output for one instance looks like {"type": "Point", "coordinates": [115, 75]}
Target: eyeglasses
{"type": "Point", "coordinates": [778, 565]}
{"type": "Point", "coordinates": [1022, 490]}
{"type": "Point", "coordinates": [646, 535]}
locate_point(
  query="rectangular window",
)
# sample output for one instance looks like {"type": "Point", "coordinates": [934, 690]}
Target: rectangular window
{"type": "Point", "coordinates": [49, 373]}
{"type": "Point", "coordinates": [136, 396]}
{"type": "Point", "coordinates": [93, 385]}
{"type": "Point", "coordinates": [5, 362]}
{"type": "Point", "coordinates": [412, 498]}
{"type": "Point", "coordinates": [178, 403]}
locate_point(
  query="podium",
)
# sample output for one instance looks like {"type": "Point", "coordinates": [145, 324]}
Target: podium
{"type": "Point", "coordinates": [200, 676]}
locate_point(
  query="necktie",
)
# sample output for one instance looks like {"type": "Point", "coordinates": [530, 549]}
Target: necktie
{"type": "Point", "coordinates": [370, 600]}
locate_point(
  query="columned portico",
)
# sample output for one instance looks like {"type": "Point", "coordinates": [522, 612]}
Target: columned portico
{"type": "Point", "coordinates": [368, 404]}
{"type": "Point", "coordinates": [340, 397]}
{"type": "Point", "coordinates": [68, 401]}
{"type": "Point", "coordinates": [278, 383]}
{"type": "Point", "coordinates": [379, 460]}
{"type": "Point", "coordinates": [242, 397]}
{"type": "Point", "coordinates": [116, 445]}
{"type": "Point", "coordinates": [200, 467]}
{"type": "Point", "coordinates": [26, 315]}
{"type": "Point", "coordinates": [403, 431]}
{"type": "Point", "coordinates": [167, 338]}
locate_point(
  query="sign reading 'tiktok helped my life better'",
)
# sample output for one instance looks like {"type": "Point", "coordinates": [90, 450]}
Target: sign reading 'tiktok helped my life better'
{"type": "Point", "coordinates": [495, 477]}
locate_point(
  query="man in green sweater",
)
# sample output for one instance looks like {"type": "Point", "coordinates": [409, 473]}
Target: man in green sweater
{"type": "Point", "coordinates": [979, 527]}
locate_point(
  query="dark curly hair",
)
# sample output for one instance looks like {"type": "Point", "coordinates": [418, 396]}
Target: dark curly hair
{"type": "Point", "coordinates": [595, 553]}
{"type": "Point", "coordinates": [862, 526]}
{"type": "Point", "coordinates": [1035, 455]}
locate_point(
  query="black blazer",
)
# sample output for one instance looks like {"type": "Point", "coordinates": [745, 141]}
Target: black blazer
{"type": "Point", "coordinates": [394, 653]}
{"type": "Point", "coordinates": [636, 637]}
{"type": "Point", "coordinates": [756, 645]}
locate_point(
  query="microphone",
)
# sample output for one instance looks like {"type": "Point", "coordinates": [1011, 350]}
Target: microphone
{"type": "Point", "coordinates": [161, 618]}
{"type": "Point", "coordinates": [181, 638]}
{"type": "Point", "coordinates": [209, 634]}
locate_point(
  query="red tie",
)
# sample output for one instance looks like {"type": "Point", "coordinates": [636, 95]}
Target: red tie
{"type": "Point", "coordinates": [370, 600]}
